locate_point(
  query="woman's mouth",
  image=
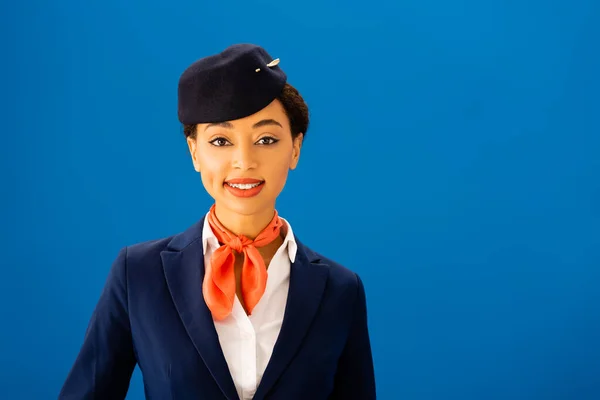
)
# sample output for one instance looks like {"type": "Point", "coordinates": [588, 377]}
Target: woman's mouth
{"type": "Point", "coordinates": [244, 187]}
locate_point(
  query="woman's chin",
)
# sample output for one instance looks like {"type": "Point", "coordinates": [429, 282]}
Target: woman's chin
{"type": "Point", "coordinates": [245, 206]}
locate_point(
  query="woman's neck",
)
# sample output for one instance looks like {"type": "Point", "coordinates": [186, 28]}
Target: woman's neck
{"type": "Point", "coordinates": [248, 225]}
{"type": "Point", "coordinates": [251, 226]}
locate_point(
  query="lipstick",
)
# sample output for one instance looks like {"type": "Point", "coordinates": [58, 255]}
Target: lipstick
{"type": "Point", "coordinates": [244, 187]}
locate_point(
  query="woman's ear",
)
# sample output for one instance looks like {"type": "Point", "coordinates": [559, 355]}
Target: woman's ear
{"type": "Point", "coordinates": [297, 146]}
{"type": "Point", "coordinates": [192, 148]}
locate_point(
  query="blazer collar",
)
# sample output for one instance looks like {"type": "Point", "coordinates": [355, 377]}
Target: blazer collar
{"type": "Point", "coordinates": [308, 279]}
{"type": "Point", "coordinates": [183, 264]}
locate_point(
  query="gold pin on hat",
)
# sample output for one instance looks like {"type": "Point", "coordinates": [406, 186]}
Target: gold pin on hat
{"type": "Point", "coordinates": [271, 64]}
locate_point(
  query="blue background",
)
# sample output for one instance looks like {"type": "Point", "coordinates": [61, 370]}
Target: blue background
{"type": "Point", "coordinates": [453, 161]}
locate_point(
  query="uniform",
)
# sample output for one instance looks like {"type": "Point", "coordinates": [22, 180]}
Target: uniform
{"type": "Point", "coordinates": [151, 312]}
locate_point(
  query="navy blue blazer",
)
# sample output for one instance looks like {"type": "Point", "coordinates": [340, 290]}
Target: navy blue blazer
{"type": "Point", "coordinates": [152, 313]}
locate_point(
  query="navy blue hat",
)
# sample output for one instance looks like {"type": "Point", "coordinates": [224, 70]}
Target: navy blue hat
{"type": "Point", "coordinates": [236, 83]}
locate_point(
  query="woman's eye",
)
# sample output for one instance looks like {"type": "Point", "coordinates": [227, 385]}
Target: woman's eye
{"type": "Point", "coordinates": [267, 140]}
{"type": "Point", "coordinates": [219, 142]}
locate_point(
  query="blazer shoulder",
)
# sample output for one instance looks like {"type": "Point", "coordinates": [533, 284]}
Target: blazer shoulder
{"type": "Point", "coordinates": [144, 256]}
{"type": "Point", "coordinates": [148, 248]}
{"type": "Point", "coordinates": [339, 275]}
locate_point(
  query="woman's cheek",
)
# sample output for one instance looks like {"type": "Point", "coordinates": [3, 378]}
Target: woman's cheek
{"type": "Point", "coordinates": [281, 178]}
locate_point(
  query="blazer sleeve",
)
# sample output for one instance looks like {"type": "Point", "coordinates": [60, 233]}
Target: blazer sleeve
{"type": "Point", "coordinates": [355, 377]}
{"type": "Point", "coordinates": [106, 360]}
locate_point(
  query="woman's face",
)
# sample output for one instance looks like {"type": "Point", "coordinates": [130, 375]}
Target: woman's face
{"type": "Point", "coordinates": [244, 163]}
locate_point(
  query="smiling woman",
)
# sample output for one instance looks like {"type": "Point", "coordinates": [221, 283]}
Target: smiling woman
{"type": "Point", "coordinates": [249, 159]}
{"type": "Point", "coordinates": [234, 307]}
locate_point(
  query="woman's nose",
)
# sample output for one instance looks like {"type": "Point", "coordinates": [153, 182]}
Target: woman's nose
{"type": "Point", "coordinates": [244, 157]}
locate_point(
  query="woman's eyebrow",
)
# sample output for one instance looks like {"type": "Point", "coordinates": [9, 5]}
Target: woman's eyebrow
{"type": "Point", "coordinates": [261, 123]}
{"type": "Point", "coordinates": [266, 122]}
{"type": "Point", "coordinates": [227, 125]}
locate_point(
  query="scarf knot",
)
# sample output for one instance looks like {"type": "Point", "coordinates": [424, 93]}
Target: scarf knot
{"type": "Point", "coordinates": [237, 244]}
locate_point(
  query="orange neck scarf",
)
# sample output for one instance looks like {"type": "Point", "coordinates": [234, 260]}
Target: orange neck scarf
{"type": "Point", "coordinates": [218, 286]}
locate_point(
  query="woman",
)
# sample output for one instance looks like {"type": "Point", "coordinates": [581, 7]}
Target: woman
{"type": "Point", "coordinates": [235, 307]}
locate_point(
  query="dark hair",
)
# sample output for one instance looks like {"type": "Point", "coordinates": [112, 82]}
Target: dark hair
{"type": "Point", "coordinates": [295, 109]}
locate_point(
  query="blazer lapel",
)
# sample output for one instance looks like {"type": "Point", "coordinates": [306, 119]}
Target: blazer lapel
{"type": "Point", "coordinates": [308, 278]}
{"type": "Point", "coordinates": [183, 264]}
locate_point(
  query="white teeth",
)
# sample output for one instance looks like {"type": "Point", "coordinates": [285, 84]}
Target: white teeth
{"type": "Point", "coordinates": [244, 186]}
